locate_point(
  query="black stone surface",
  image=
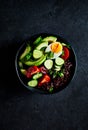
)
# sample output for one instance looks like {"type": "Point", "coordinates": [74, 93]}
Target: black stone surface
{"type": "Point", "coordinates": [21, 109]}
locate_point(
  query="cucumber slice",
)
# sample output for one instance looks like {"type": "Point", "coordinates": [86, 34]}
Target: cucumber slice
{"type": "Point", "coordinates": [37, 76]}
{"type": "Point", "coordinates": [48, 64]}
{"type": "Point", "coordinates": [57, 69]}
{"type": "Point", "coordinates": [59, 61]}
{"type": "Point", "coordinates": [50, 39]}
{"type": "Point", "coordinates": [37, 54]}
{"type": "Point", "coordinates": [58, 66]}
{"type": "Point", "coordinates": [33, 83]}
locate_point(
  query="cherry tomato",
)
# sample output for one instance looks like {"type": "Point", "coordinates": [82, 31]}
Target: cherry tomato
{"type": "Point", "coordinates": [32, 70]}
{"type": "Point", "coordinates": [45, 79]}
{"type": "Point", "coordinates": [66, 54]}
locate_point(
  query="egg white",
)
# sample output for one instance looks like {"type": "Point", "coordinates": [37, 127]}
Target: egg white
{"type": "Point", "coordinates": [48, 49]}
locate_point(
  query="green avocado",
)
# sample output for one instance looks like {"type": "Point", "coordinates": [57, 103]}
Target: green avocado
{"type": "Point", "coordinates": [36, 62]}
{"type": "Point", "coordinates": [50, 39]}
{"type": "Point", "coordinates": [23, 71]}
{"type": "Point", "coordinates": [43, 44]}
{"type": "Point", "coordinates": [26, 51]}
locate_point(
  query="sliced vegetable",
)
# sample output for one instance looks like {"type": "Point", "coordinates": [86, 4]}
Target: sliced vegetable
{"type": "Point", "coordinates": [48, 64]}
{"type": "Point", "coordinates": [37, 54]}
{"type": "Point", "coordinates": [26, 51]}
{"type": "Point", "coordinates": [37, 76]}
{"type": "Point", "coordinates": [42, 45]}
{"type": "Point", "coordinates": [50, 39]}
{"type": "Point", "coordinates": [33, 83]}
{"type": "Point", "coordinates": [32, 70]}
{"type": "Point", "coordinates": [36, 62]}
{"type": "Point", "coordinates": [20, 64]}
{"type": "Point", "coordinates": [58, 69]}
{"type": "Point", "coordinates": [59, 61]}
{"type": "Point", "coordinates": [38, 40]}
{"type": "Point", "coordinates": [57, 66]}
{"type": "Point", "coordinates": [66, 54]}
{"type": "Point", "coordinates": [45, 79]}
{"type": "Point", "coordinates": [23, 71]}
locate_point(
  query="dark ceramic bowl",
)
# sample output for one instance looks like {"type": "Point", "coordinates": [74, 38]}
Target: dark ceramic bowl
{"type": "Point", "coordinates": [21, 77]}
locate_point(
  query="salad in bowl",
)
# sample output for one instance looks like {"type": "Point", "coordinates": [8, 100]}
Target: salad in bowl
{"type": "Point", "coordinates": [45, 63]}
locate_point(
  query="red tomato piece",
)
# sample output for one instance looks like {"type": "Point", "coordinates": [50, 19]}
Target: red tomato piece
{"type": "Point", "coordinates": [32, 70]}
{"type": "Point", "coordinates": [66, 54]}
{"type": "Point", "coordinates": [45, 79]}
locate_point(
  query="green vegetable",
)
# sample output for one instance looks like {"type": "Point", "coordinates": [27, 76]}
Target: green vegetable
{"type": "Point", "coordinates": [38, 40]}
{"type": "Point", "coordinates": [58, 69]}
{"type": "Point", "coordinates": [23, 71]}
{"type": "Point", "coordinates": [27, 57]}
{"type": "Point", "coordinates": [33, 83]}
{"type": "Point", "coordinates": [67, 45]}
{"type": "Point", "coordinates": [50, 72]}
{"type": "Point", "coordinates": [50, 39]}
{"type": "Point", "coordinates": [59, 61]}
{"type": "Point", "coordinates": [37, 76]}
{"type": "Point", "coordinates": [48, 64]}
{"type": "Point", "coordinates": [42, 45]}
{"type": "Point", "coordinates": [36, 62]}
{"type": "Point", "coordinates": [55, 74]}
{"type": "Point", "coordinates": [37, 54]}
{"type": "Point", "coordinates": [26, 51]}
{"type": "Point", "coordinates": [20, 64]}
{"type": "Point", "coordinates": [50, 54]}
{"type": "Point", "coordinates": [61, 74]}
{"type": "Point", "coordinates": [51, 89]}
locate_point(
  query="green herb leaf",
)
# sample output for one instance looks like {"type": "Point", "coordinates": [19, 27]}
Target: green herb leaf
{"type": "Point", "coordinates": [51, 89]}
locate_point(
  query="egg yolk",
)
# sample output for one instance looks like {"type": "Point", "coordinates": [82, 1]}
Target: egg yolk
{"type": "Point", "coordinates": [56, 47]}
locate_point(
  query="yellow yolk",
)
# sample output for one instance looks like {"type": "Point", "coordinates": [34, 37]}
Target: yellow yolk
{"type": "Point", "coordinates": [56, 47]}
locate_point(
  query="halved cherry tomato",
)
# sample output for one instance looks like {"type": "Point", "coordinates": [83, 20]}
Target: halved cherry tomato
{"type": "Point", "coordinates": [32, 70]}
{"type": "Point", "coordinates": [45, 79]}
{"type": "Point", "coordinates": [66, 54]}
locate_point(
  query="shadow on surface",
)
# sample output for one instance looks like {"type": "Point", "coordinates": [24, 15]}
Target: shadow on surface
{"type": "Point", "coordinates": [9, 82]}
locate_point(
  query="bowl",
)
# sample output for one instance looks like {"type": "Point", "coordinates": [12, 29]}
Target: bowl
{"type": "Point", "coordinates": [58, 83]}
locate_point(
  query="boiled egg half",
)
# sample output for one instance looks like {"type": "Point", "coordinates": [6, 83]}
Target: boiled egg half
{"type": "Point", "coordinates": [56, 48]}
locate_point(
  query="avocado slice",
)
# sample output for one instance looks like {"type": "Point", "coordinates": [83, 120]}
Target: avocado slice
{"type": "Point", "coordinates": [23, 71]}
{"type": "Point", "coordinates": [50, 39]}
{"type": "Point", "coordinates": [26, 51]}
{"type": "Point", "coordinates": [20, 64]}
{"type": "Point", "coordinates": [43, 44]}
{"type": "Point", "coordinates": [36, 62]}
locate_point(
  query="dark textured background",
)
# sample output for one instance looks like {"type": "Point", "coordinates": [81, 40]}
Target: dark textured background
{"type": "Point", "coordinates": [24, 110]}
